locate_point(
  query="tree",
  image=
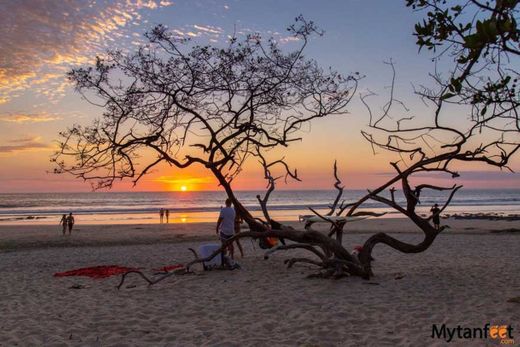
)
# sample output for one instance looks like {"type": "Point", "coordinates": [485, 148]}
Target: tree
{"type": "Point", "coordinates": [477, 85]}
{"type": "Point", "coordinates": [181, 104]}
{"type": "Point", "coordinates": [481, 40]}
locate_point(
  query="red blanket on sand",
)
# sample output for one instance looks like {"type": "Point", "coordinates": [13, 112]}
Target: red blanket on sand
{"type": "Point", "coordinates": [96, 271]}
{"type": "Point", "coordinates": [104, 271]}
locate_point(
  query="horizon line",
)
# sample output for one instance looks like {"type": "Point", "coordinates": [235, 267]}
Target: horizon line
{"type": "Point", "coordinates": [238, 190]}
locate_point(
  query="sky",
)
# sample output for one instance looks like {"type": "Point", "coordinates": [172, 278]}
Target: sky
{"type": "Point", "coordinates": [41, 40]}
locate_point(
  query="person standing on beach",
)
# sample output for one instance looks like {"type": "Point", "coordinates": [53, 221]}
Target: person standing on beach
{"type": "Point", "coordinates": [226, 228]}
{"type": "Point", "coordinates": [238, 221]}
{"type": "Point", "coordinates": [436, 216]}
{"type": "Point", "coordinates": [167, 214]}
{"type": "Point", "coordinates": [63, 222]}
{"type": "Point", "coordinates": [161, 214]}
{"type": "Point", "coordinates": [70, 222]}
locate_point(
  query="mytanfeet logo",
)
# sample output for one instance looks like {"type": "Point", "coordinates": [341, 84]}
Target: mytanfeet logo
{"type": "Point", "coordinates": [501, 333]}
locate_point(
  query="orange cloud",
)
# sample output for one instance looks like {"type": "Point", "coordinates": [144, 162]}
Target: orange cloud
{"type": "Point", "coordinates": [42, 40]}
{"type": "Point", "coordinates": [28, 117]}
{"type": "Point", "coordinates": [188, 180]}
{"type": "Point", "coordinates": [183, 182]}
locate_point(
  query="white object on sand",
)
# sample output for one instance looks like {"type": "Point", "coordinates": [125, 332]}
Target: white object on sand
{"type": "Point", "coordinates": [206, 250]}
{"type": "Point", "coordinates": [315, 219]}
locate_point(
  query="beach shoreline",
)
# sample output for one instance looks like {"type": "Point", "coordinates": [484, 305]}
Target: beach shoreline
{"type": "Point", "coordinates": [107, 208]}
{"type": "Point", "coordinates": [17, 237]}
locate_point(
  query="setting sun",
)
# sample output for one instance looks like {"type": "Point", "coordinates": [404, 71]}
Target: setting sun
{"type": "Point", "coordinates": [184, 188]}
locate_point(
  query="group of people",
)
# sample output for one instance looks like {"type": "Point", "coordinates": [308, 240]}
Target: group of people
{"type": "Point", "coordinates": [67, 222]}
{"type": "Point", "coordinates": [164, 215]}
{"type": "Point", "coordinates": [228, 224]}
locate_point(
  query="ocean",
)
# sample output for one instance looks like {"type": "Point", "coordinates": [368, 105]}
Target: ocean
{"type": "Point", "coordinates": [203, 206]}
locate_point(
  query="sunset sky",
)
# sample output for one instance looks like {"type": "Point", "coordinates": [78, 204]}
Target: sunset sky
{"type": "Point", "coordinates": [41, 40]}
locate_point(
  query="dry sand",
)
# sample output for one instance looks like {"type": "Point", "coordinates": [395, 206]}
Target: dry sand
{"type": "Point", "coordinates": [465, 279]}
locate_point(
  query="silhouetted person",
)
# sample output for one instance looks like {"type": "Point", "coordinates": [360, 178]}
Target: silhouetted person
{"type": "Point", "coordinates": [436, 218]}
{"type": "Point", "coordinates": [167, 214]}
{"type": "Point", "coordinates": [238, 221]}
{"type": "Point", "coordinates": [63, 222]}
{"type": "Point", "coordinates": [70, 222]}
{"type": "Point", "coordinates": [161, 214]}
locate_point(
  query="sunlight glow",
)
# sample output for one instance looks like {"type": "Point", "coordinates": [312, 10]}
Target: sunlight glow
{"type": "Point", "coordinates": [184, 188]}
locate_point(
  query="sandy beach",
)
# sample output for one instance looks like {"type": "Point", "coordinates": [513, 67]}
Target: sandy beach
{"type": "Point", "coordinates": [465, 278]}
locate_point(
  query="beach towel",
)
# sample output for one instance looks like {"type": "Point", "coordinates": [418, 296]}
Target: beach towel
{"type": "Point", "coordinates": [97, 271]}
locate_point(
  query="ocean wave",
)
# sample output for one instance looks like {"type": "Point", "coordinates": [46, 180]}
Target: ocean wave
{"type": "Point", "coordinates": [178, 203]}
{"type": "Point", "coordinates": [195, 209]}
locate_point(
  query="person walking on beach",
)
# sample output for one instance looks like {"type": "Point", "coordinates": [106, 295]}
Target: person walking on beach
{"type": "Point", "coordinates": [238, 221]}
{"type": "Point", "coordinates": [226, 228]}
{"type": "Point", "coordinates": [167, 214]}
{"type": "Point", "coordinates": [161, 215]}
{"type": "Point", "coordinates": [436, 216]}
{"type": "Point", "coordinates": [63, 223]}
{"type": "Point", "coordinates": [70, 222]}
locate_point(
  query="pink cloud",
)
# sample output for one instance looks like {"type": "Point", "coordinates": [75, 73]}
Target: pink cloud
{"type": "Point", "coordinates": [24, 144]}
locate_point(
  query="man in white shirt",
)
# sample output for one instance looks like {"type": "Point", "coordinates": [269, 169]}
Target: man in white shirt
{"type": "Point", "coordinates": [226, 227]}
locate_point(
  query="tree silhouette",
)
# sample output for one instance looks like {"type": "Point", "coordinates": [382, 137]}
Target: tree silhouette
{"type": "Point", "coordinates": [228, 105]}
{"type": "Point", "coordinates": [182, 104]}
{"type": "Point", "coordinates": [481, 39]}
